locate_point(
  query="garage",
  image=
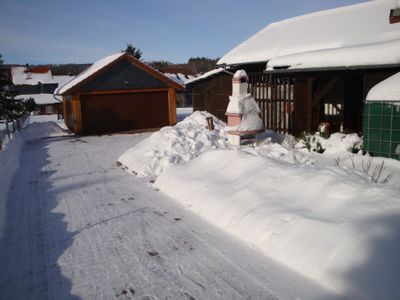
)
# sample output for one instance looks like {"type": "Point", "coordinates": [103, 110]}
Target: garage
{"type": "Point", "coordinates": [119, 93]}
{"type": "Point", "coordinates": [121, 112]}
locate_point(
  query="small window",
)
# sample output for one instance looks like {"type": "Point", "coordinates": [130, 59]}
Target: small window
{"type": "Point", "coordinates": [394, 16]}
{"type": "Point", "coordinates": [49, 109]}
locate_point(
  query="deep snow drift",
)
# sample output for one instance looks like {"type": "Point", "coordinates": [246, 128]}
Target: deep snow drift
{"type": "Point", "coordinates": [172, 145]}
{"type": "Point", "coordinates": [320, 214]}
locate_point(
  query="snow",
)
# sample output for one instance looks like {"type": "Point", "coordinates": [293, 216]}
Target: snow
{"type": "Point", "coordinates": [246, 106]}
{"type": "Point", "coordinates": [179, 78]}
{"type": "Point", "coordinates": [9, 164]}
{"type": "Point", "coordinates": [365, 55]}
{"type": "Point", "coordinates": [20, 77]}
{"type": "Point", "coordinates": [183, 112]}
{"type": "Point", "coordinates": [40, 99]}
{"type": "Point", "coordinates": [362, 27]}
{"type": "Point", "coordinates": [78, 227]}
{"type": "Point", "coordinates": [62, 79]}
{"type": "Point", "coordinates": [322, 215]}
{"type": "Point", "coordinates": [207, 74]}
{"type": "Point", "coordinates": [329, 224]}
{"type": "Point", "coordinates": [387, 90]}
{"type": "Point", "coordinates": [98, 65]}
{"type": "Point", "coordinates": [172, 145]}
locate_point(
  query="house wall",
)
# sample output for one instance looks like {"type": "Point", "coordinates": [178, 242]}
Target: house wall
{"type": "Point", "coordinates": [49, 109]}
{"type": "Point", "coordinates": [46, 88]}
{"type": "Point", "coordinates": [212, 94]}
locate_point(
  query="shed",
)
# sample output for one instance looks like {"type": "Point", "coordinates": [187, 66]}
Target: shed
{"type": "Point", "coordinates": [381, 122]}
{"type": "Point", "coordinates": [119, 93]}
{"type": "Point", "coordinates": [211, 91]}
{"type": "Point", "coordinates": [319, 67]}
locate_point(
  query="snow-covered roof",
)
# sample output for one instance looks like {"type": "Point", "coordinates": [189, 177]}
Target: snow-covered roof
{"type": "Point", "coordinates": [40, 99]}
{"type": "Point", "coordinates": [22, 76]}
{"type": "Point", "coordinates": [346, 30]}
{"type": "Point", "coordinates": [62, 79]}
{"type": "Point", "coordinates": [104, 62]}
{"type": "Point", "coordinates": [98, 65]}
{"type": "Point", "coordinates": [387, 90]}
{"type": "Point", "coordinates": [366, 55]}
{"type": "Point", "coordinates": [179, 77]}
{"type": "Point", "coordinates": [207, 74]}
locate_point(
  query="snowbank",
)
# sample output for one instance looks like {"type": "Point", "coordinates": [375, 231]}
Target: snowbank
{"type": "Point", "coordinates": [335, 144]}
{"type": "Point", "coordinates": [387, 90]}
{"type": "Point", "coordinates": [328, 223]}
{"type": "Point", "coordinates": [172, 145]}
{"type": "Point", "coordinates": [9, 164]}
{"type": "Point", "coordinates": [9, 157]}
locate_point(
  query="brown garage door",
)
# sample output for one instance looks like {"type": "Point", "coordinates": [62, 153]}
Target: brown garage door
{"type": "Point", "coordinates": [119, 112]}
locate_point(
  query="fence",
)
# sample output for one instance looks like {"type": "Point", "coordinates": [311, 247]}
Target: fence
{"type": "Point", "coordinates": [7, 128]}
{"type": "Point", "coordinates": [274, 96]}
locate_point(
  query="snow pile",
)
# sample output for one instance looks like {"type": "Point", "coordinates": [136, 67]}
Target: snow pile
{"type": "Point", "coordinates": [9, 164]}
{"type": "Point", "coordinates": [329, 224]}
{"type": "Point", "coordinates": [173, 145]}
{"type": "Point", "coordinates": [246, 106]}
{"type": "Point", "coordinates": [336, 143]}
{"type": "Point", "coordinates": [387, 90]}
{"type": "Point", "coordinates": [9, 157]}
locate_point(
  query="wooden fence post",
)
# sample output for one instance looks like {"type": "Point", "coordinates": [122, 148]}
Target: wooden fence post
{"type": "Point", "coordinates": [8, 129]}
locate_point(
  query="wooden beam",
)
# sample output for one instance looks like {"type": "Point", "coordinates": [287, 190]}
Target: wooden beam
{"type": "Point", "coordinates": [77, 114]}
{"type": "Point", "coordinates": [128, 91]}
{"type": "Point", "coordinates": [310, 92]}
{"type": "Point", "coordinates": [324, 91]}
{"type": "Point", "coordinates": [172, 106]}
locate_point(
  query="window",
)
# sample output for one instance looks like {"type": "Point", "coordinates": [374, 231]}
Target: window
{"type": "Point", "coordinates": [49, 109]}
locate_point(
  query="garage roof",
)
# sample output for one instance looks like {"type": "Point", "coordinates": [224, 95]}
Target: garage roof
{"type": "Point", "coordinates": [105, 63]}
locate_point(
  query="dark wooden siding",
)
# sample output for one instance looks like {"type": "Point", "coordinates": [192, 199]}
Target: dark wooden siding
{"type": "Point", "coordinates": [123, 76]}
{"type": "Point", "coordinates": [120, 112]}
{"type": "Point", "coordinates": [212, 94]}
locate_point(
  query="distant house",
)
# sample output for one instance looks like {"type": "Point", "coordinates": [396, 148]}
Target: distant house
{"type": "Point", "coordinates": [211, 91]}
{"type": "Point", "coordinates": [47, 104]}
{"type": "Point", "coordinates": [39, 84]}
{"type": "Point", "coordinates": [32, 80]}
{"type": "Point", "coordinates": [119, 93]}
{"type": "Point", "coordinates": [319, 67]}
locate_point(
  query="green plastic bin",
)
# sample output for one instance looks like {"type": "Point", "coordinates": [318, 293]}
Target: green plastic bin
{"type": "Point", "coordinates": [381, 128]}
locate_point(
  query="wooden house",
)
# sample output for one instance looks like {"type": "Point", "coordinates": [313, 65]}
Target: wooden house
{"type": "Point", "coordinates": [211, 91]}
{"type": "Point", "coordinates": [119, 93]}
{"type": "Point", "coordinates": [318, 68]}
{"type": "Point", "coordinates": [47, 104]}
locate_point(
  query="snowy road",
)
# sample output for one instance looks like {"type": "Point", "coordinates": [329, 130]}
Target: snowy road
{"type": "Point", "coordinates": [79, 227]}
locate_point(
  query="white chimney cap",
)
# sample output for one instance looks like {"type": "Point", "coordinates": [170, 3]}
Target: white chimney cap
{"type": "Point", "coordinates": [240, 76]}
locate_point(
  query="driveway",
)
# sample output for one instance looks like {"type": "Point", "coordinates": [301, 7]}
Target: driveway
{"type": "Point", "coordinates": [79, 227]}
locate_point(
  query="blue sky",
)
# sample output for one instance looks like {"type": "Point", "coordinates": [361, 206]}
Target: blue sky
{"type": "Point", "coordinates": [59, 31]}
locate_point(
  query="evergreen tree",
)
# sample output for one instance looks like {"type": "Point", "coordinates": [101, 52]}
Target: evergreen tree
{"type": "Point", "coordinates": [130, 49]}
{"type": "Point", "coordinates": [10, 109]}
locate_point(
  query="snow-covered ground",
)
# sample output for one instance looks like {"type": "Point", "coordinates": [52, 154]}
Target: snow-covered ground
{"type": "Point", "coordinates": [322, 215]}
{"type": "Point", "coordinates": [79, 227]}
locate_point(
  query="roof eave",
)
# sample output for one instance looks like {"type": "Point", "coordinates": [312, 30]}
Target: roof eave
{"type": "Point", "coordinates": [338, 68]}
